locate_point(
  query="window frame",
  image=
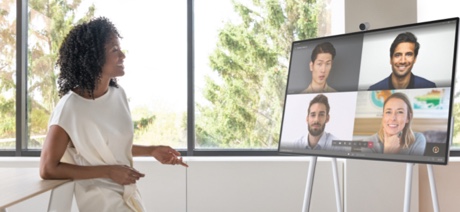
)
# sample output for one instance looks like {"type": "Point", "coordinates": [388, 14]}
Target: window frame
{"type": "Point", "coordinates": [21, 96]}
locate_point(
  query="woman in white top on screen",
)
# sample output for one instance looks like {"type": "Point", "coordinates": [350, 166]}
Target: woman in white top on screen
{"type": "Point", "coordinates": [90, 134]}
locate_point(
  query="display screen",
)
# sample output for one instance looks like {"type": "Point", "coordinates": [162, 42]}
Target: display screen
{"type": "Point", "coordinates": [384, 94]}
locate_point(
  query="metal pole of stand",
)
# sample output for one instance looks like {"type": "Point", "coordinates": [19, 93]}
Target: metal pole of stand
{"type": "Point", "coordinates": [309, 186]}
{"type": "Point", "coordinates": [434, 196]}
{"type": "Point", "coordinates": [407, 193]}
{"type": "Point", "coordinates": [336, 185]}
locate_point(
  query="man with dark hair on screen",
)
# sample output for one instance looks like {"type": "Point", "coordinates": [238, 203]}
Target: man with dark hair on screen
{"type": "Point", "coordinates": [403, 55]}
{"type": "Point", "coordinates": [317, 117]}
{"type": "Point", "coordinates": [320, 66]}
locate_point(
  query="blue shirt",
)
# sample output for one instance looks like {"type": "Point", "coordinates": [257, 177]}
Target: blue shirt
{"type": "Point", "coordinates": [415, 82]}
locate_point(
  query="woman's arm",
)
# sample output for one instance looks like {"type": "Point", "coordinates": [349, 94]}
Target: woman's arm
{"type": "Point", "coordinates": [164, 154]}
{"type": "Point", "coordinates": [51, 166]}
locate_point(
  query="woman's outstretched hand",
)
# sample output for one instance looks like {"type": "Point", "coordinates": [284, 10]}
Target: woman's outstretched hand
{"type": "Point", "coordinates": [167, 155]}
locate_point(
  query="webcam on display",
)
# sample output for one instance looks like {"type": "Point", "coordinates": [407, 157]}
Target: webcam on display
{"type": "Point", "coordinates": [364, 26]}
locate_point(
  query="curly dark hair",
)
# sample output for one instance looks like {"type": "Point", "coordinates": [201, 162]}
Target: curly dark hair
{"type": "Point", "coordinates": [82, 55]}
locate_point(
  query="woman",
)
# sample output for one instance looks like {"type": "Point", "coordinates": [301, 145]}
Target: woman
{"type": "Point", "coordinates": [90, 135]}
{"type": "Point", "coordinates": [395, 135]}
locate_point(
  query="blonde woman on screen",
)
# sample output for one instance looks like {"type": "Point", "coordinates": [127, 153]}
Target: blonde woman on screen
{"type": "Point", "coordinates": [395, 135]}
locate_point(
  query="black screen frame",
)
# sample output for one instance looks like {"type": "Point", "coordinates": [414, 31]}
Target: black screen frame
{"type": "Point", "coordinates": [423, 159]}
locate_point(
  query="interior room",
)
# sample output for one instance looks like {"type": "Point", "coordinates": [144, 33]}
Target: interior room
{"type": "Point", "coordinates": [271, 183]}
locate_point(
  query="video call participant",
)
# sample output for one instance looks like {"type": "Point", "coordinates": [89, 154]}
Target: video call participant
{"type": "Point", "coordinates": [403, 55]}
{"type": "Point", "coordinates": [320, 66]}
{"type": "Point", "coordinates": [395, 135]}
{"type": "Point", "coordinates": [317, 117]}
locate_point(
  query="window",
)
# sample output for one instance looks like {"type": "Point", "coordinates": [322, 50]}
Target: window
{"type": "Point", "coordinates": [155, 79]}
{"type": "Point", "coordinates": [44, 35]}
{"type": "Point", "coordinates": [7, 75]}
{"type": "Point", "coordinates": [241, 57]}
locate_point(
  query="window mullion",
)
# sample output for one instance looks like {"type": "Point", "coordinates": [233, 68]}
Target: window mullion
{"type": "Point", "coordinates": [190, 81]}
{"type": "Point", "coordinates": [21, 76]}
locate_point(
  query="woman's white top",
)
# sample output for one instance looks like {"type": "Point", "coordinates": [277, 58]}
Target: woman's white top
{"type": "Point", "coordinates": [102, 132]}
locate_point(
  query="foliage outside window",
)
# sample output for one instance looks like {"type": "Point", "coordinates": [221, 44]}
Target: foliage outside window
{"type": "Point", "coordinates": [49, 22]}
{"type": "Point", "coordinates": [7, 74]}
{"type": "Point", "coordinates": [242, 99]}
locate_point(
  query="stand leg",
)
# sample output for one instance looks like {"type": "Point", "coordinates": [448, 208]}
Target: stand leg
{"type": "Point", "coordinates": [407, 193]}
{"type": "Point", "coordinates": [434, 195]}
{"type": "Point", "coordinates": [309, 186]}
{"type": "Point", "coordinates": [336, 185]}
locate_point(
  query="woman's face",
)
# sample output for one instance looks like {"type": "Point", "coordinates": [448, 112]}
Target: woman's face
{"type": "Point", "coordinates": [114, 57]}
{"type": "Point", "coordinates": [395, 116]}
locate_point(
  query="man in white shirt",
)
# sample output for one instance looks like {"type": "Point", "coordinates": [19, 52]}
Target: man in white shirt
{"type": "Point", "coordinates": [317, 117]}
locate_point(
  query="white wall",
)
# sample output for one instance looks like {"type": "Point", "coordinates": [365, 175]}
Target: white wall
{"type": "Point", "coordinates": [258, 184]}
{"type": "Point", "coordinates": [276, 184]}
{"type": "Point", "coordinates": [378, 186]}
{"type": "Point", "coordinates": [379, 13]}
{"type": "Point", "coordinates": [243, 184]}
{"type": "Point", "coordinates": [428, 10]}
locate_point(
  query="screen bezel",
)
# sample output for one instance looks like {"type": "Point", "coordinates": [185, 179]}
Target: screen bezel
{"type": "Point", "coordinates": [423, 159]}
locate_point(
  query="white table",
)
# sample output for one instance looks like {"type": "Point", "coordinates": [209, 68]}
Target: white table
{"type": "Point", "coordinates": [19, 184]}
